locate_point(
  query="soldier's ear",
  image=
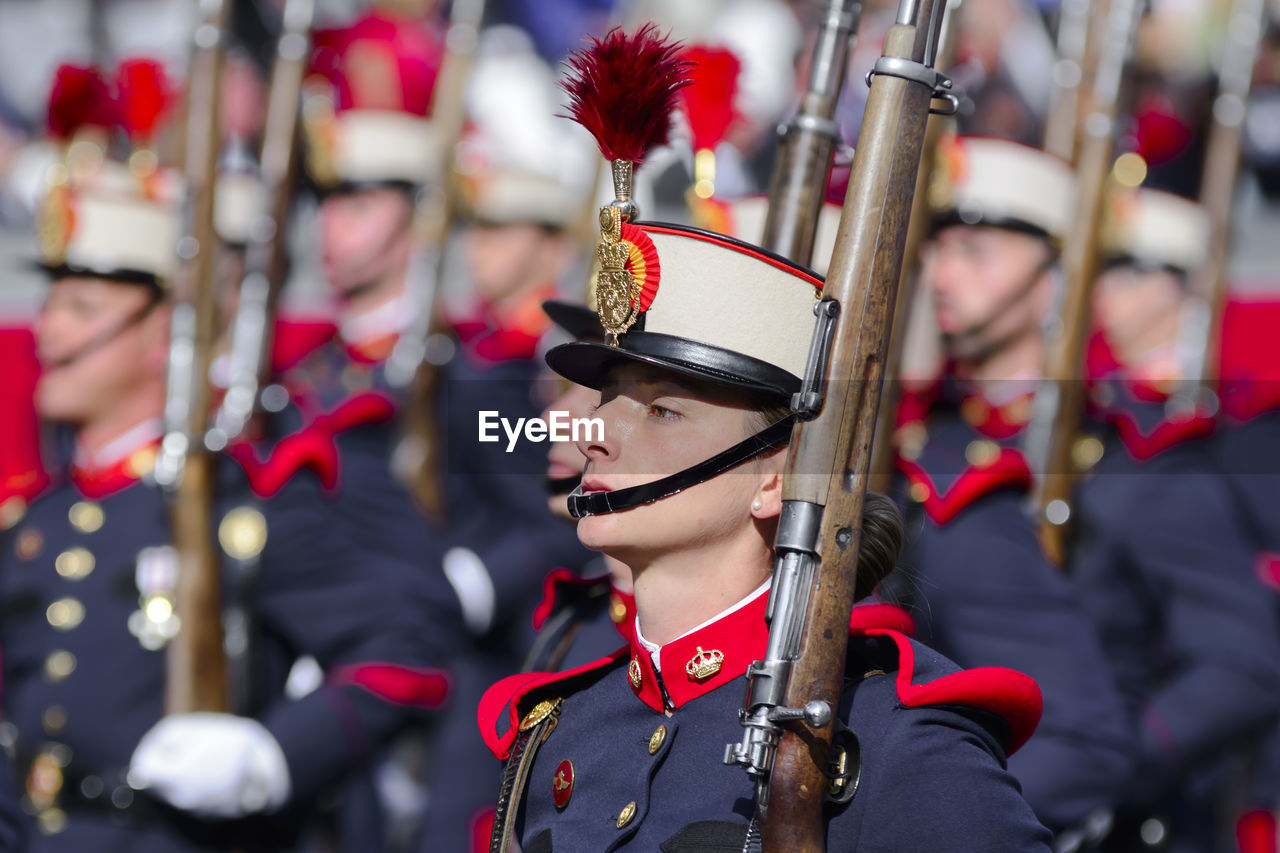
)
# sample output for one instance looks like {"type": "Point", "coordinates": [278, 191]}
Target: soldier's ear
{"type": "Point", "coordinates": [767, 500]}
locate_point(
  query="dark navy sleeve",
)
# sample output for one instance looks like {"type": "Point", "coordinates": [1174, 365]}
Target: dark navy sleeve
{"type": "Point", "coordinates": [988, 597]}
{"type": "Point", "coordinates": [12, 822]}
{"type": "Point", "coordinates": [933, 781]}
{"type": "Point", "coordinates": [378, 628]}
{"type": "Point", "coordinates": [1217, 662]}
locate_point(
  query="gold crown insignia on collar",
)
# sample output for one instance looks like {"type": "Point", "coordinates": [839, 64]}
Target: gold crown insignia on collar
{"type": "Point", "coordinates": [704, 664]}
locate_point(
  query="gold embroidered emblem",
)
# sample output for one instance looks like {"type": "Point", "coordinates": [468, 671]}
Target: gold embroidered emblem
{"type": "Point", "coordinates": [617, 296]}
{"type": "Point", "coordinates": [633, 673]}
{"type": "Point", "coordinates": [540, 712]}
{"type": "Point", "coordinates": [704, 664]}
{"type": "Point", "coordinates": [617, 608]}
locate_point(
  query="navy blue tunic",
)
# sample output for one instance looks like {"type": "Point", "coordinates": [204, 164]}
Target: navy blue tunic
{"type": "Point", "coordinates": [982, 593]}
{"type": "Point", "coordinates": [646, 750]}
{"type": "Point", "coordinates": [84, 669]}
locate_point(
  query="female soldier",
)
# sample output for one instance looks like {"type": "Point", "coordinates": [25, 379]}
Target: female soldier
{"type": "Point", "coordinates": [626, 752]}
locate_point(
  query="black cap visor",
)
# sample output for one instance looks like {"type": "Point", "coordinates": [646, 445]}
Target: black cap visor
{"type": "Point", "coordinates": [588, 363]}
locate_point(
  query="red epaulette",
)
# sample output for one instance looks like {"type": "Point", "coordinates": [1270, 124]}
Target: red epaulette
{"type": "Point", "coordinates": [880, 615]}
{"type": "Point", "coordinates": [22, 471]}
{"type": "Point", "coordinates": [419, 687]}
{"type": "Point", "coordinates": [1006, 693]}
{"type": "Point", "coordinates": [1007, 469]}
{"type": "Point", "coordinates": [502, 705]}
{"type": "Point", "coordinates": [293, 339]}
{"type": "Point", "coordinates": [313, 447]}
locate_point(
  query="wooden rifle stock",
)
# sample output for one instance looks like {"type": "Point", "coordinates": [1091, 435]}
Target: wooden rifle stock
{"type": "Point", "coordinates": [799, 181]}
{"type": "Point", "coordinates": [1221, 169]}
{"type": "Point", "coordinates": [883, 452]}
{"type": "Point", "coordinates": [424, 346]}
{"type": "Point", "coordinates": [1050, 450]}
{"type": "Point", "coordinates": [266, 256]}
{"type": "Point", "coordinates": [197, 666]}
{"type": "Point", "coordinates": [1068, 77]}
{"type": "Point", "coordinates": [829, 455]}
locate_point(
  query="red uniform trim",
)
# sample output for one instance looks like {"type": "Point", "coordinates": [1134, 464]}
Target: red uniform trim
{"type": "Point", "coordinates": [1007, 693]}
{"type": "Point", "coordinates": [295, 339]}
{"type": "Point", "coordinates": [312, 447]}
{"type": "Point", "coordinates": [503, 699]}
{"type": "Point", "coordinates": [1142, 446]}
{"type": "Point", "coordinates": [1008, 470]}
{"type": "Point", "coordinates": [403, 685]}
{"type": "Point", "coordinates": [1267, 568]}
{"type": "Point", "coordinates": [879, 615]}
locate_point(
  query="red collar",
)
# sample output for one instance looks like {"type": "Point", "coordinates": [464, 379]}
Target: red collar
{"type": "Point", "coordinates": [373, 351]}
{"type": "Point", "coordinates": [724, 649]}
{"type": "Point", "coordinates": [100, 482]}
{"type": "Point", "coordinates": [993, 420]}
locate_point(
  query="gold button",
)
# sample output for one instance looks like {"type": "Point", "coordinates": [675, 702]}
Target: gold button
{"type": "Point", "coordinates": [627, 813]}
{"type": "Point", "coordinates": [242, 533]}
{"type": "Point", "coordinates": [54, 719]}
{"type": "Point", "coordinates": [634, 673]}
{"type": "Point", "coordinates": [910, 439]}
{"type": "Point", "coordinates": [29, 543]}
{"type": "Point", "coordinates": [617, 608]}
{"type": "Point", "coordinates": [656, 739]}
{"type": "Point", "coordinates": [1086, 452]}
{"type": "Point", "coordinates": [12, 509]}
{"type": "Point", "coordinates": [1019, 411]}
{"type": "Point", "coordinates": [981, 453]}
{"type": "Point", "coordinates": [85, 516]}
{"type": "Point", "coordinates": [919, 492]}
{"type": "Point", "coordinates": [65, 613]}
{"type": "Point", "coordinates": [58, 665]}
{"type": "Point", "coordinates": [975, 410]}
{"type": "Point", "coordinates": [74, 563]}
{"type": "Point", "coordinates": [142, 462]}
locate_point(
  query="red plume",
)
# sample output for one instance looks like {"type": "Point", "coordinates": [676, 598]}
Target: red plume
{"type": "Point", "coordinates": [79, 98]}
{"type": "Point", "coordinates": [708, 101]}
{"type": "Point", "coordinates": [623, 89]}
{"type": "Point", "coordinates": [144, 97]}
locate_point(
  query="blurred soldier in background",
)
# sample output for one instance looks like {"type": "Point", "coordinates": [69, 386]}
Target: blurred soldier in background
{"type": "Point", "coordinates": [525, 180]}
{"type": "Point", "coordinates": [974, 577]}
{"type": "Point", "coordinates": [1163, 558]}
{"type": "Point", "coordinates": [85, 637]}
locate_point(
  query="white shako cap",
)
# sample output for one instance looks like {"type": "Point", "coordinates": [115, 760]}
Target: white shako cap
{"type": "Point", "coordinates": [1155, 228]}
{"type": "Point", "coordinates": [980, 180]}
{"type": "Point", "coordinates": [519, 161]}
{"type": "Point", "coordinates": [712, 307]}
{"type": "Point", "coordinates": [112, 225]}
{"type": "Point", "coordinates": [746, 222]}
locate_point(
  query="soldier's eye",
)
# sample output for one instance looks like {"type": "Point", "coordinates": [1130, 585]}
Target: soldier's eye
{"type": "Point", "coordinates": [662, 413]}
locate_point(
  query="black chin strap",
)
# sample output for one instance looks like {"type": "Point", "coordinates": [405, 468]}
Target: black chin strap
{"type": "Point", "coordinates": [106, 336]}
{"type": "Point", "coordinates": [557, 486]}
{"type": "Point", "coordinates": [599, 503]}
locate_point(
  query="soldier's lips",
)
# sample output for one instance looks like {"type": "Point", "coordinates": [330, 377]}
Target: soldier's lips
{"type": "Point", "coordinates": [589, 486]}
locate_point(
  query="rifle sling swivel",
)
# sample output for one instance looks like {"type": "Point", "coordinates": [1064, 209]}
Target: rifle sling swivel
{"type": "Point", "coordinates": [938, 84]}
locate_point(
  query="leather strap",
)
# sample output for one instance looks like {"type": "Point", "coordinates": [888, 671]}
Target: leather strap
{"type": "Point", "coordinates": [599, 503]}
{"type": "Point", "coordinates": [515, 775]}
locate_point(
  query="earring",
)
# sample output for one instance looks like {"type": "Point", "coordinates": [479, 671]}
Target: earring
{"type": "Point", "coordinates": [756, 505]}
